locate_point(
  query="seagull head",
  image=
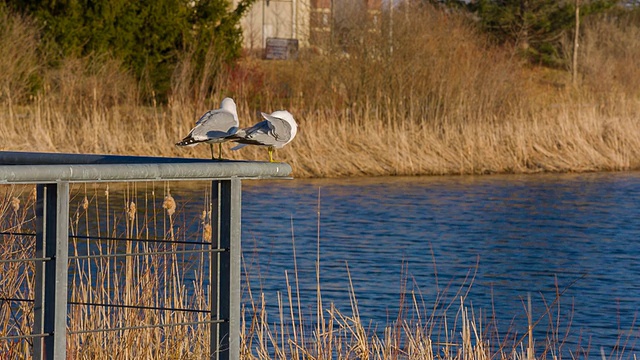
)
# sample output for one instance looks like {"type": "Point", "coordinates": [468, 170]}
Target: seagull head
{"type": "Point", "coordinates": [229, 105]}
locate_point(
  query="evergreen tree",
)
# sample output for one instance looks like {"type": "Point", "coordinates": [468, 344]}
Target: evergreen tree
{"type": "Point", "coordinates": [147, 35]}
{"type": "Point", "coordinates": [534, 26]}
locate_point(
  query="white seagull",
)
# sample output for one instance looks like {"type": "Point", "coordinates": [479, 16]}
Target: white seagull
{"type": "Point", "coordinates": [214, 127]}
{"type": "Point", "coordinates": [274, 132]}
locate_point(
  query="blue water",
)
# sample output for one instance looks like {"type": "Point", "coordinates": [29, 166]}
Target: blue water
{"type": "Point", "coordinates": [571, 242]}
{"type": "Point", "coordinates": [414, 248]}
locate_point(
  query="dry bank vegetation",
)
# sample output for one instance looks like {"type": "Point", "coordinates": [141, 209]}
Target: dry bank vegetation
{"type": "Point", "coordinates": [433, 96]}
{"type": "Point", "coordinates": [150, 287]}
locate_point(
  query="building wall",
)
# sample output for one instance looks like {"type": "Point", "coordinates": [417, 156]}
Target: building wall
{"type": "Point", "coordinates": [308, 21]}
{"type": "Point", "coordinates": [276, 18]}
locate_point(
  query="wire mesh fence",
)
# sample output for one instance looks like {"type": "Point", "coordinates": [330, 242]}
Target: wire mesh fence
{"type": "Point", "coordinates": [85, 272]}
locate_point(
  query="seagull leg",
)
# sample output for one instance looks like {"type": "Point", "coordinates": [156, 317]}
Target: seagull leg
{"type": "Point", "coordinates": [212, 156]}
{"type": "Point", "coordinates": [270, 149]}
{"type": "Point", "coordinates": [219, 151]}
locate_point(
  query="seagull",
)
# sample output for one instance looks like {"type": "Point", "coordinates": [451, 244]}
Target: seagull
{"type": "Point", "coordinates": [214, 127]}
{"type": "Point", "coordinates": [275, 131]}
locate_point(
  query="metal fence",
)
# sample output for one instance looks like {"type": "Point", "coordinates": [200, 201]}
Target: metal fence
{"type": "Point", "coordinates": [53, 174]}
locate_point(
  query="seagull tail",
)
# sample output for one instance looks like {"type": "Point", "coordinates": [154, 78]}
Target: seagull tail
{"type": "Point", "coordinates": [187, 142]}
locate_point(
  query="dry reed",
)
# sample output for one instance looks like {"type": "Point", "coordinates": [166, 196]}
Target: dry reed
{"type": "Point", "coordinates": [436, 98]}
{"type": "Point", "coordinates": [449, 329]}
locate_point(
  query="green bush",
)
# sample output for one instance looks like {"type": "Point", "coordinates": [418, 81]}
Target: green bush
{"type": "Point", "coordinates": [147, 36]}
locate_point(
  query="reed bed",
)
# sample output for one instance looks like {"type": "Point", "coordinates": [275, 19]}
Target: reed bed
{"type": "Point", "coordinates": [151, 282]}
{"type": "Point", "coordinates": [435, 98]}
{"type": "Point", "coordinates": [149, 287]}
{"type": "Point", "coordinates": [16, 216]}
{"type": "Point", "coordinates": [448, 329]}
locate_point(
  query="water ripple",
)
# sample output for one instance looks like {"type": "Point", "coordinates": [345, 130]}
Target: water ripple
{"type": "Point", "coordinates": [573, 234]}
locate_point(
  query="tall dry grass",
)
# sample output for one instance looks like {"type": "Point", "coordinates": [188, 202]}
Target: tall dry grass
{"type": "Point", "coordinates": [427, 95]}
{"type": "Point", "coordinates": [143, 284]}
{"type": "Point", "coordinates": [449, 329]}
{"type": "Point", "coordinates": [19, 63]}
{"type": "Point", "coordinates": [150, 281]}
{"type": "Point", "coordinates": [16, 278]}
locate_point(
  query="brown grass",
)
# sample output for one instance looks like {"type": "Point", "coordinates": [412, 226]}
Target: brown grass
{"type": "Point", "coordinates": [320, 331]}
{"type": "Point", "coordinates": [443, 100]}
{"type": "Point", "coordinates": [150, 281]}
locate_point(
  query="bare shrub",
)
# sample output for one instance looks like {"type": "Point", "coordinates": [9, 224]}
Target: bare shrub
{"type": "Point", "coordinates": [19, 63]}
{"type": "Point", "coordinates": [609, 54]}
{"type": "Point", "coordinates": [90, 83]}
{"type": "Point", "coordinates": [417, 64]}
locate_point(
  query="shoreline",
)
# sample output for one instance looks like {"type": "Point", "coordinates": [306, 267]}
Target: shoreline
{"type": "Point", "coordinates": [334, 147]}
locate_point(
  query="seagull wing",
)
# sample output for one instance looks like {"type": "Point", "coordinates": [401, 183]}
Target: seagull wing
{"type": "Point", "coordinates": [273, 131]}
{"type": "Point", "coordinates": [280, 130]}
{"type": "Point", "coordinates": [213, 127]}
{"type": "Point", "coordinates": [215, 124]}
{"type": "Point", "coordinates": [258, 134]}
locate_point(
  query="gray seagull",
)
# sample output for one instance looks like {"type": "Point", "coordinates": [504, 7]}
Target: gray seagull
{"type": "Point", "coordinates": [275, 131]}
{"type": "Point", "coordinates": [214, 127]}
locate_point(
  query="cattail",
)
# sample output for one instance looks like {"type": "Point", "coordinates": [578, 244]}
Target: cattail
{"type": "Point", "coordinates": [15, 204]}
{"type": "Point", "coordinates": [169, 204]}
{"type": "Point", "coordinates": [85, 203]}
{"type": "Point", "coordinates": [132, 211]}
{"type": "Point", "coordinates": [207, 232]}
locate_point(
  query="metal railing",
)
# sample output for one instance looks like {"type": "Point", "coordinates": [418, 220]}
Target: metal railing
{"type": "Point", "coordinates": [53, 174]}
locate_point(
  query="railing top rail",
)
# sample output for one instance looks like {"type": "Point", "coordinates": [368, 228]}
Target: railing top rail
{"type": "Point", "coordinates": [34, 167]}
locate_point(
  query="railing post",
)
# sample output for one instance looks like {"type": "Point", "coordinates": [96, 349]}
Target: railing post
{"type": "Point", "coordinates": [52, 239]}
{"type": "Point", "coordinates": [225, 269]}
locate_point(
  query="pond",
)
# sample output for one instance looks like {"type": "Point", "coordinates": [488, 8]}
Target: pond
{"type": "Point", "coordinates": [569, 241]}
